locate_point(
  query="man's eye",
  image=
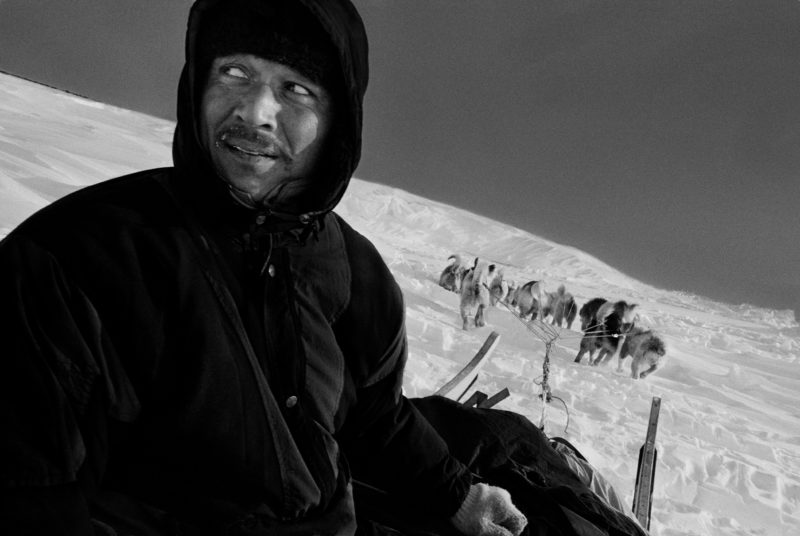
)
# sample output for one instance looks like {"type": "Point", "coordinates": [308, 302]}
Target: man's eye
{"type": "Point", "coordinates": [233, 70]}
{"type": "Point", "coordinates": [298, 89]}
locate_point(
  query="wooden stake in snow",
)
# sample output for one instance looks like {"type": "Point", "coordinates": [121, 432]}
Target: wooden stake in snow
{"type": "Point", "coordinates": [645, 474]}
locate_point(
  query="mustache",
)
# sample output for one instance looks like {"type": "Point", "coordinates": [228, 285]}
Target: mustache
{"type": "Point", "coordinates": [253, 139]}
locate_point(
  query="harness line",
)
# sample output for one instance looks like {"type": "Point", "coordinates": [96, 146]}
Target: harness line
{"type": "Point", "coordinates": [547, 395]}
{"type": "Point", "coordinates": [548, 335]}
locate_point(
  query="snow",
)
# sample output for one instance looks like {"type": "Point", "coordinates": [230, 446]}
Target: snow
{"type": "Point", "coordinates": [729, 433]}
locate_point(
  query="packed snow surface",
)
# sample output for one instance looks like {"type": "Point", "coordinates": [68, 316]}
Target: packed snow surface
{"type": "Point", "coordinates": [729, 432]}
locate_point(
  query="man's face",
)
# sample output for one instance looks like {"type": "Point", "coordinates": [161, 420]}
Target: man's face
{"type": "Point", "coordinates": [263, 123]}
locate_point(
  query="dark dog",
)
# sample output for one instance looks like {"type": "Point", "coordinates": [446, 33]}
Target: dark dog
{"type": "Point", "coordinates": [589, 311]}
{"type": "Point", "coordinates": [610, 322]}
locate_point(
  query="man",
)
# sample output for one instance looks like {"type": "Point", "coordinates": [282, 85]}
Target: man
{"type": "Point", "coordinates": [208, 348]}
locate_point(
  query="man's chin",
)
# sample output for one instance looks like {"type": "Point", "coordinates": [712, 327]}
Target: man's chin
{"type": "Point", "coordinates": [251, 189]}
{"type": "Point", "coordinates": [255, 180]}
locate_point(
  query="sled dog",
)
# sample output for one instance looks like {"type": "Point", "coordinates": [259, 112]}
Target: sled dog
{"type": "Point", "coordinates": [647, 351]}
{"type": "Point", "coordinates": [562, 307]}
{"type": "Point", "coordinates": [512, 290]}
{"type": "Point", "coordinates": [498, 287]}
{"type": "Point", "coordinates": [612, 321]}
{"type": "Point", "coordinates": [589, 311]}
{"type": "Point", "coordinates": [453, 273]}
{"type": "Point", "coordinates": [475, 298]}
{"type": "Point", "coordinates": [530, 300]}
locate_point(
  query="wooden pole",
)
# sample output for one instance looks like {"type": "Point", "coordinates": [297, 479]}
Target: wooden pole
{"type": "Point", "coordinates": [646, 472]}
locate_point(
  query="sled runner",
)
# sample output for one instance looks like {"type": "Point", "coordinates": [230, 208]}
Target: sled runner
{"type": "Point", "coordinates": [646, 472]}
{"type": "Point", "coordinates": [458, 386]}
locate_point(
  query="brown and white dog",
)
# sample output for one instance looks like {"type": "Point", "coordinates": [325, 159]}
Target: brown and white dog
{"type": "Point", "coordinates": [453, 273]}
{"type": "Point", "coordinates": [647, 350]}
{"type": "Point", "coordinates": [604, 328]}
{"type": "Point", "coordinates": [475, 297]}
{"type": "Point", "coordinates": [530, 300]}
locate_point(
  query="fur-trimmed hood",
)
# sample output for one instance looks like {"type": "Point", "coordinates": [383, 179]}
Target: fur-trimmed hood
{"type": "Point", "coordinates": [341, 22]}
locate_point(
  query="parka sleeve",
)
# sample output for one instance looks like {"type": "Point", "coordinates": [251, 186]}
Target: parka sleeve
{"type": "Point", "coordinates": [49, 388]}
{"type": "Point", "coordinates": [388, 443]}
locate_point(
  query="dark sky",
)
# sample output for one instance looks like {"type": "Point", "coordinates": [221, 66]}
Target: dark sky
{"type": "Point", "coordinates": [661, 136]}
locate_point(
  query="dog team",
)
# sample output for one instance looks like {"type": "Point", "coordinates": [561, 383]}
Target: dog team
{"type": "Point", "coordinates": [608, 326]}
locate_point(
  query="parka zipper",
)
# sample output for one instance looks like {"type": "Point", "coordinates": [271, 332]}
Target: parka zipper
{"type": "Point", "coordinates": [213, 274]}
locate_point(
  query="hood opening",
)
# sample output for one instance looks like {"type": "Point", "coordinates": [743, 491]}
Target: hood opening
{"type": "Point", "coordinates": [340, 60]}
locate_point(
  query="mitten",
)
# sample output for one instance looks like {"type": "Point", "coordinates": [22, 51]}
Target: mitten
{"type": "Point", "coordinates": [488, 511]}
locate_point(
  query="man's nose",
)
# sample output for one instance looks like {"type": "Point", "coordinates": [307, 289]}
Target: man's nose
{"type": "Point", "coordinates": [260, 107]}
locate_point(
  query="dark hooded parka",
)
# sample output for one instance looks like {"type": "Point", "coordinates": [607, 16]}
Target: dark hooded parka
{"type": "Point", "coordinates": [180, 360]}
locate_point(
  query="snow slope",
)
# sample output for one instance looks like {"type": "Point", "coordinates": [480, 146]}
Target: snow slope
{"type": "Point", "coordinates": [729, 433]}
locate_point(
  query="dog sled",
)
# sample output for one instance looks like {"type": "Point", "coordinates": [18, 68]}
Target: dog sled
{"type": "Point", "coordinates": [457, 389]}
{"type": "Point", "coordinates": [550, 481]}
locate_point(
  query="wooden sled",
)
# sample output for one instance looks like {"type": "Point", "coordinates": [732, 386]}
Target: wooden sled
{"type": "Point", "coordinates": [457, 387]}
{"type": "Point", "coordinates": [482, 400]}
{"type": "Point", "coordinates": [463, 381]}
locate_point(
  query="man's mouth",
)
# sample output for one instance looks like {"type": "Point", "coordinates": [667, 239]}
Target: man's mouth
{"type": "Point", "coordinates": [250, 143]}
{"type": "Point", "coordinates": [266, 152]}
